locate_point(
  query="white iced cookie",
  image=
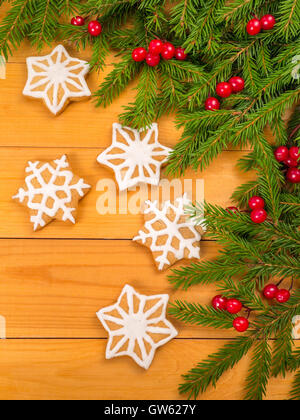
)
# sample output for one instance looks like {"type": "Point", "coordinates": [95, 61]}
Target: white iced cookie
{"type": "Point", "coordinates": [51, 191]}
{"type": "Point", "coordinates": [135, 156]}
{"type": "Point", "coordinates": [57, 78]}
{"type": "Point", "coordinates": [137, 326]}
{"type": "Point", "coordinates": [170, 233]}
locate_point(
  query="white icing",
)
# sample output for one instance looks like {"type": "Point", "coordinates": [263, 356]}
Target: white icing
{"type": "Point", "coordinates": [138, 154]}
{"type": "Point", "coordinates": [50, 190]}
{"type": "Point", "coordinates": [135, 327]}
{"type": "Point", "coordinates": [55, 72]}
{"type": "Point", "coordinates": [172, 230]}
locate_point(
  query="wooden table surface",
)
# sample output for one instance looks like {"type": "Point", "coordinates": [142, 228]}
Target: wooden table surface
{"type": "Point", "coordinates": [52, 282]}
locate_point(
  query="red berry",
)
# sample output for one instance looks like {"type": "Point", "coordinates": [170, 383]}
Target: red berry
{"type": "Point", "coordinates": [281, 153]}
{"type": "Point", "coordinates": [224, 89]}
{"type": "Point", "coordinates": [234, 306]}
{"type": "Point", "coordinates": [139, 54]}
{"type": "Point", "coordinates": [258, 215]}
{"type": "Point", "coordinates": [256, 202]}
{"type": "Point", "coordinates": [237, 84]}
{"type": "Point", "coordinates": [155, 46]}
{"type": "Point", "coordinates": [254, 27]}
{"type": "Point", "coordinates": [168, 51]}
{"type": "Point", "coordinates": [95, 28]}
{"type": "Point", "coordinates": [294, 153]}
{"type": "Point", "coordinates": [152, 59]}
{"type": "Point", "coordinates": [232, 209]}
{"type": "Point", "coordinates": [267, 22]}
{"type": "Point", "coordinates": [219, 302]}
{"type": "Point", "coordinates": [293, 175]}
{"type": "Point", "coordinates": [77, 21]}
{"type": "Point", "coordinates": [180, 54]}
{"type": "Point", "coordinates": [241, 324]}
{"type": "Point", "coordinates": [283, 296]}
{"type": "Point", "coordinates": [212, 104]}
{"type": "Point", "coordinates": [270, 291]}
{"type": "Point", "coordinates": [291, 163]}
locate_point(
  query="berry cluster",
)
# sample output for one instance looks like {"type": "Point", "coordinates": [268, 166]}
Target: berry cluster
{"type": "Point", "coordinates": [271, 291]}
{"type": "Point", "coordinates": [233, 306]}
{"type": "Point", "coordinates": [94, 26]}
{"type": "Point", "coordinates": [255, 26]}
{"type": "Point", "coordinates": [291, 159]}
{"type": "Point", "coordinates": [156, 50]}
{"type": "Point", "coordinates": [258, 213]}
{"type": "Point", "coordinates": [224, 90]}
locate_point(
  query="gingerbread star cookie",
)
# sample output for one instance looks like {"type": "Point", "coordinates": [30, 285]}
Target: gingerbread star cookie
{"type": "Point", "coordinates": [135, 156]}
{"type": "Point", "coordinates": [170, 233]}
{"type": "Point", "coordinates": [57, 78]}
{"type": "Point", "coordinates": [137, 326]}
{"type": "Point", "coordinates": [51, 191]}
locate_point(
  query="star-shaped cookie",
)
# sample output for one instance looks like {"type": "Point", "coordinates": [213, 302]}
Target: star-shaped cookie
{"type": "Point", "coordinates": [137, 326]}
{"type": "Point", "coordinates": [135, 156]}
{"type": "Point", "coordinates": [57, 78]}
{"type": "Point", "coordinates": [51, 191]}
{"type": "Point", "coordinates": [170, 233]}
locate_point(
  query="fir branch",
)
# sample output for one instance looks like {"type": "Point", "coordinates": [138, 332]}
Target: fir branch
{"type": "Point", "coordinates": [210, 371]}
{"type": "Point", "coordinates": [116, 81]}
{"type": "Point", "coordinates": [142, 112]}
{"type": "Point", "coordinates": [195, 314]}
{"type": "Point", "coordinates": [44, 23]}
{"type": "Point", "coordinates": [259, 372]}
{"type": "Point", "coordinates": [295, 392]}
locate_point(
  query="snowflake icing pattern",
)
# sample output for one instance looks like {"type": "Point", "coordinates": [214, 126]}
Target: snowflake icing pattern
{"type": "Point", "coordinates": [135, 159]}
{"type": "Point", "coordinates": [137, 326]}
{"type": "Point", "coordinates": [50, 189]}
{"type": "Point", "coordinates": [170, 234]}
{"type": "Point", "coordinates": [57, 78]}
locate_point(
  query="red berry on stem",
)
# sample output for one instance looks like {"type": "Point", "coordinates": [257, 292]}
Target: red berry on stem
{"type": "Point", "coordinates": [152, 59]}
{"type": "Point", "coordinates": [258, 215]}
{"type": "Point", "coordinates": [294, 153]}
{"type": "Point", "coordinates": [237, 84]}
{"type": "Point", "coordinates": [270, 291]}
{"type": "Point", "coordinates": [212, 104]}
{"type": "Point", "coordinates": [234, 306]}
{"type": "Point", "coordinates": [293, 175]}
{"type": "Point", "coordinates": [77, 21]}
{"type": "Point", "coordinates": [155, 46]}
{"type": "Point", "coordinates": [180, 54]}
{"type": "Point", "coordinates": [267, 22]}
{"type": "Point", "coordinates": [281, 153]}
{"type": "Point", "coordinates": [256, 202]}
{"type": "Point", "coordinates": [168, 51]}
{"type": "Point", "coordinates": [283, 296]}
{"type": "Point", "coordinates": [232, 209]}
{"type": "Point", "coordinates": [254, 27]}
{"type": "Point", "coordinates": [95, 28]}
{"type": "Point", "coordinates": [224, 89]}
{"type": "Point", "coordinates": [219, 302]}
{"type": "Point", "coordinates": [241, 324]}
{"type": "Point", "coordinates": [291, 163]}
{"type": "Point", "coordinates": [139, 54]}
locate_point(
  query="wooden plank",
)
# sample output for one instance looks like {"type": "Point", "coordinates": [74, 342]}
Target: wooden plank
{"type": "Point", "coordinates": [53, 288]}
{"type": "Point", "coordinates": [220, 180]}
{"type": "Point", "coordinates": [77, 369]}
{"type": "Point", "coordinates": [80, 125]}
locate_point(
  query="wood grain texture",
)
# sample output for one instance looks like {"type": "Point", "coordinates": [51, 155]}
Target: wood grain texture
{"type": "Point", "coordinates": [77, 369]}
{"type": "Point", "coordinates": [220, 180]}
{"type": "Point", "coordinates": [52, 282]}
{"type": "Point", "coordinates": [52, 288]}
